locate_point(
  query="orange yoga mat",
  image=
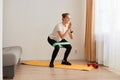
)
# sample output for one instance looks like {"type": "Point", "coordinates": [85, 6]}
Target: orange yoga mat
{"type": "Point", "coordinates": [58, 65]}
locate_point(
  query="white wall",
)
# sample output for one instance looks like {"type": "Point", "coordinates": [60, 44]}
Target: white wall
{"type": "Point", "coordinates": [1, 24]}
{"type": "Point", "coordinates": [27, 23]}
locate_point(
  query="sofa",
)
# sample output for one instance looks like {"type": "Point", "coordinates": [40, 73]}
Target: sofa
{"type": "Point", "coordinates": [11, 60]}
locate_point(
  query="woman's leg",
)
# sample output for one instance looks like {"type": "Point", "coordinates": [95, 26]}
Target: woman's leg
{"type": "Point", "coordinates": [55, 51]}
{"type": "Point", "coordinates": [54, 54]}
{"type": "Point", "coordinates": [67, 52]}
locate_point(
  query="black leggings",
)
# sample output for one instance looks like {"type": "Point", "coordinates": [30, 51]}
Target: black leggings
{"type": "Point", "coordinates": [57, 47]}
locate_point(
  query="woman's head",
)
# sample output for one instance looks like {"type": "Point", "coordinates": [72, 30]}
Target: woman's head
{"type": "Point", "coordinates": [66, 17]}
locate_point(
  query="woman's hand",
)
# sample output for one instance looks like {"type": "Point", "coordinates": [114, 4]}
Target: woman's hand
{"type": "Point", "coordinates": [70, 25]}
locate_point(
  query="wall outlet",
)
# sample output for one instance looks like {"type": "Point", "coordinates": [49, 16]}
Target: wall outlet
{"type": "Point", "coordinates": [76, 51]}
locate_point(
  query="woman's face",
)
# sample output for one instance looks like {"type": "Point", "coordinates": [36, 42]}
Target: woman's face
{"type": "Point", "coordinates": [67, 19]}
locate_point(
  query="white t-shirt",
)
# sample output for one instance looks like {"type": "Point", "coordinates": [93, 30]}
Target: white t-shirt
{"type": "Point", "coordinates": [59, 27]}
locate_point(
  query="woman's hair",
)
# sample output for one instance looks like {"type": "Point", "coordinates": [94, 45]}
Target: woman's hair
{"type": "Point", "coordinates": [64, 15]}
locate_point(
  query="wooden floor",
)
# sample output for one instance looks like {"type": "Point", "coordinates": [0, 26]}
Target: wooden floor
{"type": "Point", "coordinates": [25, 72]}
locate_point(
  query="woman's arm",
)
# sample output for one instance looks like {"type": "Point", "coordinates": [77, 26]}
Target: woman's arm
{"type": "Point", "coordinates": [69, 31]}
{"type": "Point", "coordinates": [63, 35]}
{"type": "Point", "coordinates": [71, 34]}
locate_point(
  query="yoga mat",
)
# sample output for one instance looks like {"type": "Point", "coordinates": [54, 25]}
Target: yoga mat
{"type": "Point", "coordinates": [58, 65]}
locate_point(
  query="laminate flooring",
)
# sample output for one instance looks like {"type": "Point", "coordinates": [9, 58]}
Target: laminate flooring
{"type": "Point", "coordinates": [26, 72]}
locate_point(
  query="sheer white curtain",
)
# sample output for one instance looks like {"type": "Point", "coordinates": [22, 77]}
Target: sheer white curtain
{"type": "Point", "coordinates": [107, 32]}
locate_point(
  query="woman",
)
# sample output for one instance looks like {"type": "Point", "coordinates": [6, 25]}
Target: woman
{"type": "Point", "coordinates": [58, 36]}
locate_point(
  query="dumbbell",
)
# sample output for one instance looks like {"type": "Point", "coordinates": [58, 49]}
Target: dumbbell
{"type": "Point", "coordinates": [95, 65]}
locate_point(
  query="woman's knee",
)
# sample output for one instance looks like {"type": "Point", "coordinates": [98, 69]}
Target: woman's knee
{"type": "Point", "coordinates": [69, 47]}
{"type": "Point", "coordinates": [57, 47]}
